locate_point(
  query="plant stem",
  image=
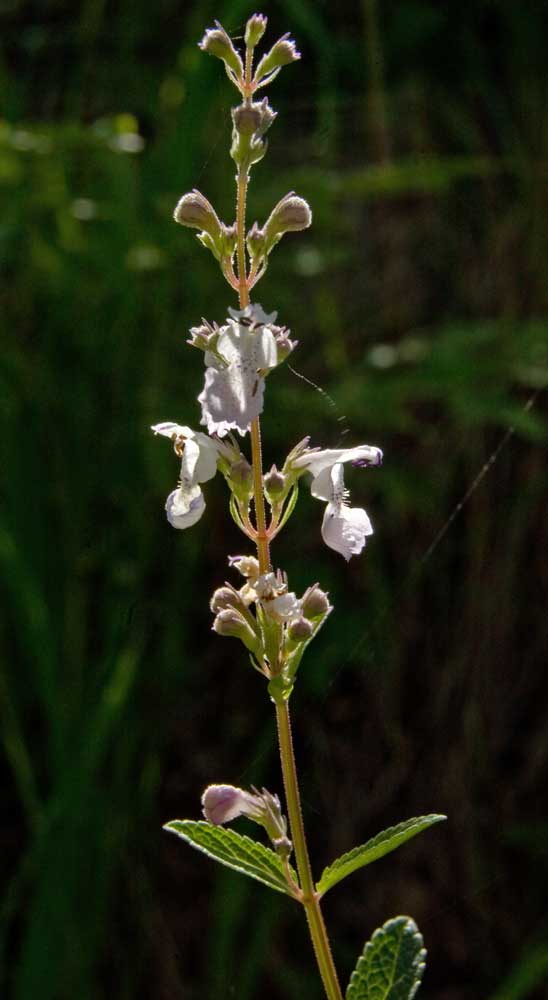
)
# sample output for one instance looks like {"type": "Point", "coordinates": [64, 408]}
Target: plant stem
{"type": "Point", "coordinates": [257, 461]}
{"type": "Point", "coordinates": [309, 897]}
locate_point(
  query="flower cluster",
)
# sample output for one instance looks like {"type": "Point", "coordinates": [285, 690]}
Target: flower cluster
{"type": "Point", "coordinates": [271, 621]}
{"type": "Point", "coordinates": [344, 528]}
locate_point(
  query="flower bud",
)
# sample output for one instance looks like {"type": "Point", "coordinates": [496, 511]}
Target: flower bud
{"type": "Point", "coordinates": [231, 623]}
{"type": "Point", "coordinates": [281, 54]}
{"type": "Point", "coordinates": [254, 30]}
{"type": "Point", "coordinates": [247, 118]}
{"type": "Point", "coordinates": [300, 629]}
{"type": "Point", "coordinates": [194, 210]}
{"type": "Point", "coordinates": [217, 43]}
{"type": "Point", "coordinates": [225, 597]}
{"type": "Point", "coordinates": [255, 242]}
{"type": "Point", "coordinates": [241, 479]}
{"type": "Point", "coordinates": [248, 566]}
{"type": "Point", "coordinates": [274, 483]}
{"type": "Point", "coordinates": [267, 116]}
{"type": "Point", "coordinates": [291, 214]}
{"type": "Point", "coordinates": [283, 847]}
{"type": "Point", "coordinates": [315, 603]}
{"type": "Point", "coordinates": [229, 238]}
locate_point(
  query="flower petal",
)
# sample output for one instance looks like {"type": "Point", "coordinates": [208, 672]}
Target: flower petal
{"type": "Point", "coordinates": [223, 803]}
{"type": "Point", "coordinates": [253, 313]}
{"type": "Point", "coordinates": [284, 608]}
{"type": "Point", "coordinates": [233, 392]}
{"type": "Point", "coordinates": [345, 529]}
{"type": "Point", "coordinates": [169, 429]}
{"type": "Point", "coordinates": [206, 466]}
{"type": "Point", "coordinates": [231, 399]}
{"type": "Point", "coordinates": [185, 509]}
{"type": "Point", "coordinates": [320, 463]}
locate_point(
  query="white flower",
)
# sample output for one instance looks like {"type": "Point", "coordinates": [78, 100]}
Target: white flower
{"type": "Point", "coordinates": [271, 590]}
{"type": "Point", "coordinates": [199, 455]}
{"type": "Point", "coordinates": [344, 528]}
{"type": "Point", "coordinates": [320, 462]}
{"type": "Point", "coordinates": [245, 351]}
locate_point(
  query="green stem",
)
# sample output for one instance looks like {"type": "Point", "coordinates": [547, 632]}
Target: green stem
{"type": "Point", "coordinates": [310, 898]}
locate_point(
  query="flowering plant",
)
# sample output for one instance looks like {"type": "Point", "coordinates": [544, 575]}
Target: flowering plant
{"type": "Point", "coordinates": [273, 623]}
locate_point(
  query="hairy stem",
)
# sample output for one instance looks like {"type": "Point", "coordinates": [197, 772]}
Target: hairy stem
{"type": "Point", "coordinates": [257, 461]}
{"type": "Point", "coordinates": [310, 899]}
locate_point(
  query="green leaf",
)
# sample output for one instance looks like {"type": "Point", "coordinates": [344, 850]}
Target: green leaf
{"type": "Point", "coordinates": [234, 850]}
{"type": "Point", "coordinates": [380, 845]}
{"type": "Point", "coordinates": [392, 963]}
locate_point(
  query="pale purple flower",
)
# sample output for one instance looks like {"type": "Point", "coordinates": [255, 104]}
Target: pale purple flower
{"type": "Point", "coordinates": [246, 350]}
{"type": "Point", "coordinates": [199, 455]}
{"type": "Point", "coordinates": [223, 803]}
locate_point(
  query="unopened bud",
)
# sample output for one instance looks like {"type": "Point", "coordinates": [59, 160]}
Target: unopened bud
{"type": "Point", "coordinates": [247, 118]}
{"type": "Point", "coordinates": [231, 623]}
{"type": "Point", "coordinates": [253, 118]}
{"type": "Point", "coordinates": [291, 214]}
{"type": "Point", "coordinates": [241, 478]}
{"type": "Point", "coordinates": [225, 597]}
{"type": "Point", "coordinates": [300, 630]}
{"type": "Point", "coordinates": [283, 847]}
{"type": "Point", "coordinates": [228, 240]}
{"type": "Point", "coordinates": [315, 603]}
{"type": "Point", "coordinates": [194, 210]}
{"type": "Point", "coordinates": [217, 43]}
{"type": "Point", "coordinates": [267, 116]}
{"type": "Point", "coordinates": [274, 483]}
{"type": "Point", "coordinates": [255, 242]}
{"type": "Point", "coordinates": [254, 30]}
{"type": "Point", "coordinates": [281, 54]}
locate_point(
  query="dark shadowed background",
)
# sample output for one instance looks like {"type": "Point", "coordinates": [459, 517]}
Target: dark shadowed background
{"type": "Point", "coordinates": [418, 131]}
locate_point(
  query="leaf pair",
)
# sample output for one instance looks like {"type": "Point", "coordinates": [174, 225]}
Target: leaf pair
{"type": "Point", "coordinates": [252, 858]}
{"type": "Point", "coordinates": [392, 962]}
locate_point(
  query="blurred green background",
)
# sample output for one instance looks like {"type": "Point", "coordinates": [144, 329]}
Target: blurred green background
{"type": "Point", "coordinates": [418, 131]}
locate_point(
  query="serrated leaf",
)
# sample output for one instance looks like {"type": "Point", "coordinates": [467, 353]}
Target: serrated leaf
{"type": "Point", "coordinates": [391, 965]}
{"type": "Point", "coordinates": [375, 848]}
{"type": "Point", "coordinates": [234, 850]}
